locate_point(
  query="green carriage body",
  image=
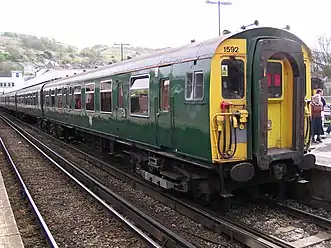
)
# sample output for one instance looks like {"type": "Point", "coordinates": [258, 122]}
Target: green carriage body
{"type": "Point", "coordinates": [184, 130]}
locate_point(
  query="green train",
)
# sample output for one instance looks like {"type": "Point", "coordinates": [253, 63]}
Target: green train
{"type": "Point", "coordinates": [208, 118]}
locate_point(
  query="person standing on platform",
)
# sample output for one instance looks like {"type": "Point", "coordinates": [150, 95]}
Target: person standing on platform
{"type": "Point", "coordinates": [320, 92]}
{"type": "Point", "coordinates": [316, 113]}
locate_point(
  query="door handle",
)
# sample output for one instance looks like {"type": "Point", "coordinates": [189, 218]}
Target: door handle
{"type": "Point", "coordinates": [157, 114]}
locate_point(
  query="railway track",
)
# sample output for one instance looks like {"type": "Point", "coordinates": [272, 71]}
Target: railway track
{"type": "Point", "coordinates": [158, 235]}
{"type": "Point", "coordinates": [296, 227]}
{"type": "Point", "coordinates": [25, 191]}
{"type": "Point", "coordinates": [296, 212]}
{"type": "Point", "coordinates": [237, 230]}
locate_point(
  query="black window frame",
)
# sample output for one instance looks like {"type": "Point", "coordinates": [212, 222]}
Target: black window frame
{"type": "Point", "coordinates": [241, 93]}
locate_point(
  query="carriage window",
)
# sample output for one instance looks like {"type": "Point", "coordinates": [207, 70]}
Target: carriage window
{"type": "Point", "coordinates": [78, 97]}
{"type": "Point", "coordinates": [194, 86]}
{"type": "Point", "coordinates": [89, 97]}
{"type": "Point", "coordinates": [274, 78]}
{"type": "Point", "coordinates": [59, 98]}
{"type": "Point", "coordinates": [70, 97]}
{"type": "Point", "coordinates": [53, 98]}
{"type": "Point", "coordinates": [65, 94]}
{"type": "Point", "coordinates": [46, 98]}
{"type": "Point", "coordinates": [36, 98]}
{"type": "Point", "coordinates": [139, 100]}
{"type": "Point", "coordinates": [105, 96]}
{"type": "Point", "coordinates": [164, 95]}
{"type": "Point", "coordinates": [232, 71]}
{"type": "Point", "coordinates": [120, 96]}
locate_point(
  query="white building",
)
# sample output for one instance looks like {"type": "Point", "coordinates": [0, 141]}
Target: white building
{"type": "Point", "coordinates": [11, 81]}
{"type": "Point", "coordinates": [15, 80]}
{"type": "Point", "coordinates": [46, 75]}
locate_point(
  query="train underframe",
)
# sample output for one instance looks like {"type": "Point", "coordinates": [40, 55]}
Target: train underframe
{"type": "Point", "coordinates": [205, 184]}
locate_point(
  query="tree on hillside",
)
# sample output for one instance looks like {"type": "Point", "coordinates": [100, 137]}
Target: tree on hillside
{"type": "Point", "coordinates": [9, 34]}
{"type": "Point", "coordinates": [71, 49]}
{"type": "Point", "coordinates": [14, 54]}
{"type": "Point", "coordinates": [8, 67]}
{"type": "Point", "coordinates": [4, 57]}
{"type": "Point", "coordinates": [32, 42]}
{"type": "Point", "coordinates": [48, 55]}
{"type": "Point", "coordinates": [322, 58]}
{"type": "Point", "coordinates": [30, 55]}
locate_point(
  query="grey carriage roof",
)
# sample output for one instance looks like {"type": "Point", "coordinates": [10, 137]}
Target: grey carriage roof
{"type": "Point", "coordinates": [204, 49]}
{"type": "Point", "coordinates": [30, 89]}
{"type": "Point", "coordinates": [196, 50]}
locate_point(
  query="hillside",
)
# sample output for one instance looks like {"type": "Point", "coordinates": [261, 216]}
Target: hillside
{"type": "Point", "coordinates": [30, 53]}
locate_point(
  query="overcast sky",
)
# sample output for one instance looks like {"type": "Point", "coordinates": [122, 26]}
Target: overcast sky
{"type": "Point", "coordinates": [155, 23]}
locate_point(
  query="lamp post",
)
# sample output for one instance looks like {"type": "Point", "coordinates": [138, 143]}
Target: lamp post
{"type": "Point", "coordinates": [122, 45]}
{"type": "Point", "coordinates": [219, 3]}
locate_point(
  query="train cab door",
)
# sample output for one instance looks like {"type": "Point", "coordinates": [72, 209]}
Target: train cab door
{"type": "Point", "coordinates": [280, 107]}
{"type": "Point", "coordinates": [278, 95]}
{"type": "Point", "coordinates": [164, 111]}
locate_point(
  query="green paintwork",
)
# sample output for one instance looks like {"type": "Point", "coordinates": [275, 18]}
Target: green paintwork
{"type": "Point", "coordinates": [183, 130]}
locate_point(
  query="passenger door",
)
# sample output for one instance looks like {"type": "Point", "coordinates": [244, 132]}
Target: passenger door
{"type": "Point", "coordinates": [118, 100]}
{"type": "Point", "coordinates": [164, 113]}
{"type": "Point", "coordinates": [277, 111]}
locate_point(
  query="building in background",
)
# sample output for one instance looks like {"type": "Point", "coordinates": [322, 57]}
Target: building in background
{"type": "Point", "coordinates": [15, 79]}
{"type": "Point", "coordinates": [11, 81]}
{"type": "Point", "coordinates": [48, 75]}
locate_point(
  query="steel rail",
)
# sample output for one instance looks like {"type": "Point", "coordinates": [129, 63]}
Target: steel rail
{"type": "Point", "coordinates": [235, 229]}
{"type": "Point", "coordinates": [164, 235]}
{"type": "Point", "coordinates": [316, 219]}
{"type": "Point", "coordinates": [47, 233]}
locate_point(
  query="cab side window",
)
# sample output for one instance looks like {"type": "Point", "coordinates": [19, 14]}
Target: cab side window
{"type": "Point", "coordinates": [233, 83]}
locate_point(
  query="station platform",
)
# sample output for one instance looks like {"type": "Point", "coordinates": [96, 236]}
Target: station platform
{"type": "Point", "coordinates": [322, 152]}
{"type": "Point", "coordinates": [9, 234]}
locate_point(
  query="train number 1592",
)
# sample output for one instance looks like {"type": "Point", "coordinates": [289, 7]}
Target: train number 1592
{"type": "Point", "coordinates": [231, 49]}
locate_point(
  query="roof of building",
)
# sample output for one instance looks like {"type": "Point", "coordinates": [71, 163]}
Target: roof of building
{"type": "Point", "coordinates": [5, 74]}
